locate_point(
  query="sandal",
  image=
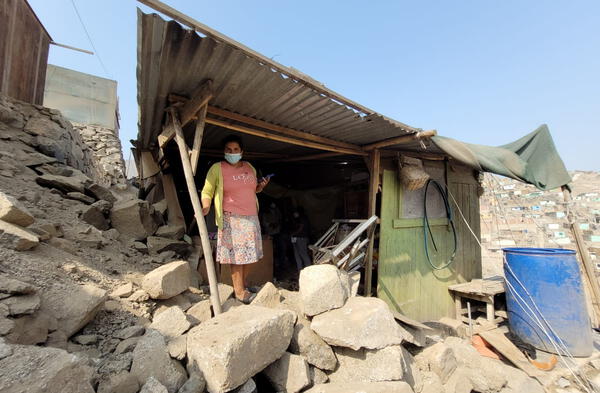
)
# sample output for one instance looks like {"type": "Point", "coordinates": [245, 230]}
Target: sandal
{"type": "Point", "coordinates": [248, 297]}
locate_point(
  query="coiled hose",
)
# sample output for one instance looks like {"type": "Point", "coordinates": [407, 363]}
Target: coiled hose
{"type": "Point", "coordinates": [427, 228]}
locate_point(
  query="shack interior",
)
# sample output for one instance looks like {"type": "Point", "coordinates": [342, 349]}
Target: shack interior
{"type": "Point", "coordinates": [330, 155]}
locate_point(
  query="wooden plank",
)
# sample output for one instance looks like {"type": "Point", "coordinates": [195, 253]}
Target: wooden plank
{"type": "Point", "coordinates": [282, 138]}
{"type": "Point", "coordinates": [282, 130]}
{"type": "Point", "coordinates": [409, 321]}
{"type": "Point", "coordinates": [294, 74]}
{"type": "Point", "coordinates": [198, 134]}
{"type": "Point", "coordinates": [400, 140]}
{"type": "Point", "coordinates": [200, 98]}
{"type": "Point", "coordinates": [175, 215]}
{"type": "Point", "coordinates": [498, 340]}
{"type": "Point", "coordinates": [195, 199]}
{"type": "Point", "coordinates": [310, 157]}
{"type": "Point", "coordinates": [375, 161]}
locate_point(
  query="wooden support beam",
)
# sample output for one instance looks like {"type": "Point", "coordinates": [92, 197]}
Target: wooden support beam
{"type": "Point", "coordinates": [282, 130]}
{"type": "Point", "coordinates": [310, 157]}
{"type": "Point", "coordinates": [195, 199]}
{"type": "Point", "coordinates": [375, 160]}
{"type": "Point", "coordinates": [199, 133]}
{"type": "Point", "coordinates": [282, 138]}
{"type": "Point", "coordinates": [586, 266]}
{"type": "Point", "coordinates": [247, 154]}
{"type": "Point", "coordinates": [400, 140]}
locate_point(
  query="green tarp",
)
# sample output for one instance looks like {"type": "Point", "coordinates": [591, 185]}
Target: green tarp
{"type": "Point", "coordinates": [532, 159]}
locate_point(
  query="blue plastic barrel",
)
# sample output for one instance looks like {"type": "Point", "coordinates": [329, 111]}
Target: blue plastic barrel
{"type": "Point", "coordinates": [545, 283]}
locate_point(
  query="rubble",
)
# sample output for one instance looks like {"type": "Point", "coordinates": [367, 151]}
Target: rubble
{"type": "Point", "coordinates": [439, 359]}
{"type": "Point", "coordinates": [124, 290]}
{"type": "Point", "coordinates": [362, 387]}
{"type": "Point", "coordinates": [62, 183]}
{"type": "Point", "coordinates": [289, 373]}
{"type": "Point", "coordinates": [152, 385]}
{"type": "Point", "coordinates": [178, 347]}
{"type": "Point", "coordinates": [133, 219]}
{"type": "Point", "coordinates": [77, 196]}
{"type": "Point", "coordinates": [322, 288]}
{"type": "Point", "coordinates": [101, 193]}
{"type": "Point", "coordinates": [234, 346]}
{"type": "Point", "coordinates": [194, 384]}
{"type": "Point", "coordinates": [171, 323]}
{"type": "Point", "coordinates": [157, 244]}
{"type": "Point", "coordinates": [12, 211]}
{"type": "Point", "coordinates": [268, 296]}
{"type": "Point", "coordinates": [368, 365]}
{"type": "Point", "coordinates": [361, 323]}
{"type": "Point", "coordinates": [168, 280]}
{"type": "Point", "coordinates": [317, 376]}
{"type": "Point", "coordinates": [20, 305]}
{"type": "Point", "coordinates": [307, 343]}
{"type": "Point", "coordinates": [151, 359]}
{"type": "Point", "coordinates": [200, 312]}
{"type": "Point", "coordinates": [174, 232]}
{"type": "Point", "coordinates": [122, 382]}
{"type": "Point", "coordinates": [93, 215]}
{"type": "Point", "coordinates": [16, 238]}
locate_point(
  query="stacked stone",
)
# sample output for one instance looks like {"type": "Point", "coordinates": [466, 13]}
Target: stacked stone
{"type": "Point", "coordinates": [106, 148]}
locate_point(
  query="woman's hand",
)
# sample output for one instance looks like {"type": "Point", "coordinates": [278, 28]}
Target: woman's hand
{"type": "Point", "coordinates": [262, 184]}
{"type": "Point", "coordinates": [205, 206]}
{"type": "Point", "coordinates": [205, 210]}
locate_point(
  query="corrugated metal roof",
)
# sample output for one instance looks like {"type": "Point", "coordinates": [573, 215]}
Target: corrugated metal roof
{"type": "Point", "coordinates": [172, 59]}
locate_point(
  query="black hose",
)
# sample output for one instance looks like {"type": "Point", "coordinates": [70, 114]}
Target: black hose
{"type": "Point", "coordinates": [427, 227]}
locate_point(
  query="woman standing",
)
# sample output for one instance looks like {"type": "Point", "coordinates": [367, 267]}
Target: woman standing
{"type": "Point", "coordinates": [233, 186]}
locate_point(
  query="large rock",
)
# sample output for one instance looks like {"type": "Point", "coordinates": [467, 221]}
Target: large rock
{"type": "Point", "coordinates": [168, 280]}
{"type": "Point", "coordinates": [438, 358]}
{"type": "Point", "coordinates": [171, 323]}
{"type": "Point", "coordinates": [16, 238]}
{"type": "Point", "coordinates": [174, 232]}
{"type": "Point", "coordinates": [412, 373]}
{"type": "Point", "coordinates": [133, 219]}
{"type": "Point", "coordinates": [322, 288]}
{"type": "Point", "coordinates": [268, 296]}
{"type": "Point", "coordinates": [234, 346]}
{"type": "Point", "coordinates": [122, 382]}
{"type": "Point", "coordinates": [152, 385]}
{"type": "Point", "coordinates": [12, 286]}
{"type": "Point", "coordinates": [307, 343]}
{"type": "Point", "coordinates": [362, 387]}
{"type": "Point", "coordinates": [20, 305]}
{"type": "Point", "coordinates": [94, 216]}
{"type": "Point", "coordinates": [368, 365]}
{"type": "Point", "coordinates": [73, 306]}
{"type": "Point", "coordinates": [363, 322]}
{"type": "Point", "coordinates": [100, 192]}
{"type": "Point", "coordinates": [14, 212]}
{"type": "Point", "coordinates": [34, 369]}
{"type": "Point", "coordinates": [151, 359]}
{"type": "Point", "coordinates": [31, 329]}
{"type": "Point", "coordinates": [289, 373]}
{"type": "Point", "coordinates": [200, 312]}
{"type": "Point", "coordinates": [157, 244]}
{"type": "Point", "coordinates": [62, 183]}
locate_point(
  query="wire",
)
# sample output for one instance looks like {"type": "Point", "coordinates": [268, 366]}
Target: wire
{"type": "Point", "coordinates": [90, 39]}
{"type": "Point", "coordinates": [427, 228]}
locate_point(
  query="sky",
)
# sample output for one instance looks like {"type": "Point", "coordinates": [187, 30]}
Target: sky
{"type": "Point", "coordinates": [485, 72]}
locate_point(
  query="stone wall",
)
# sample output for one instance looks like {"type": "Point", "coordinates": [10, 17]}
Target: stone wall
{"type": "Point", "coordinates": [106, 149]}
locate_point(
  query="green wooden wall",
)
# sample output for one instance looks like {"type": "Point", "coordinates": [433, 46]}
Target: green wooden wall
{"type": "Point", "coordinates": [406, 281]}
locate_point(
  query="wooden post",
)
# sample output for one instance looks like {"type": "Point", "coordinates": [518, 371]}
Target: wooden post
{"type": "Point", "coordinates": [195, 153]}
{"type": "Point", "coordinates": [375, 159]}
{"type": "Point", "coordinates": [587, 269]}
{"type": "Point", "coordinates": [193, 191]}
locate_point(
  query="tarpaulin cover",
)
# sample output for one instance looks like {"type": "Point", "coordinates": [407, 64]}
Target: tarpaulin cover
{"type": "Point", "coordinates": [532, 159]}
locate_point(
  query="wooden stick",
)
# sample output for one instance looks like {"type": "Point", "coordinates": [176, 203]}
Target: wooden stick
{"type": "Point", "coordinates": [310, 157]}
{"type": "Point", "coordinates": [281, 138]}
{"type": "Point", "coordinates": [586, 267]}
{"type": "Point", "coordinates": [282, 130]}
{"type": "Point", "coordinates": [193, 191]}
{"type": "Point", "coordinates": [400, 139]}
{"type": "Point", "coordinates": [198, 134]}
{"type": "Point", "coordinates": [373, 189]}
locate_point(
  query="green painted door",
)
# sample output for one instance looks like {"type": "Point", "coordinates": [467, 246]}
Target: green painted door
{"type": "Point", "coordinates": [406, 281]}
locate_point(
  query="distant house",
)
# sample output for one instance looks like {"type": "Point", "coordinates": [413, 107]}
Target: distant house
{"type": "Point", "coordinates": [560, 214]}
{"type": "Point", "coordinates": [553, 226]}
{"type": "Point", "coordinates": [559, 234]}
{"type": "Point", "coordinates": [536, 208]}
{"type": "Point", "coordinates": [563, 241]}
{"type": "Point", "coordinates": [584, 226]}
{"type": "Point", "coordinates": [509, 187]}
{"type": "Point", "coordinates": [595, 238]}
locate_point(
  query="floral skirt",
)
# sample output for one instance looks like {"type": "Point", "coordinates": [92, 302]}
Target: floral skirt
{"type": "Point", "coordinates": [239, 241]}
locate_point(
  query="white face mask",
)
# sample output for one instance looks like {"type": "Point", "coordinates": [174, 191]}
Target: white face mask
{"type": "Point", "coordinates": [233, 158]}
{"type": "Point", "coordinates": [296, 215]}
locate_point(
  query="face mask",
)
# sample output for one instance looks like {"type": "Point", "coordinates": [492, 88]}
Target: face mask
{"type": "Point", "coordinates": [296, 215]}
{"type": "Point", "coordinates": [233, 158]}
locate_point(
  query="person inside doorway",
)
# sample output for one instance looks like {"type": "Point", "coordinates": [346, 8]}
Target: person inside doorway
{"type": "Point", "coordinates": [233, 186]}
{"type": "Point", "coordinates": [300, 235]}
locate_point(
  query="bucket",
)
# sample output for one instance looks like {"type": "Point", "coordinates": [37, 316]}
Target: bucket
{"type": "Point", "coordinates": [545, 283]}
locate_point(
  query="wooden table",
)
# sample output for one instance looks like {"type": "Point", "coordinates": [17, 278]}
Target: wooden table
{"type": "Point", "coordinates": [482, 290]}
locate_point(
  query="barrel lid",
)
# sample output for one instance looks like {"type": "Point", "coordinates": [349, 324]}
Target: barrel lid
{"type": "Point", "coordinates": [538, 251]}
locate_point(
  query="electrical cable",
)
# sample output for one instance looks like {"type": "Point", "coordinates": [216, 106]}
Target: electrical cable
{"type": "Point", "coordinates": [427, 227]}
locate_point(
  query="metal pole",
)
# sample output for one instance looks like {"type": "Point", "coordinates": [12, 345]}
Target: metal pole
{"type": "Point", "coordinates": [193, 191]}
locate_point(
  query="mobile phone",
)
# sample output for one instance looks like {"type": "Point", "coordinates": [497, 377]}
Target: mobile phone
{"type": "Point", "coordinates": [270, 175]}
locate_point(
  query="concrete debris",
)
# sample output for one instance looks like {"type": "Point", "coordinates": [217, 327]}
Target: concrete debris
{"type": "Point", "coordinates": [139, 296]}
{"type": "Point", "coordinates": [178, 347]}
{"type": "Point", "coordinates": [21, 305]}
{"type": "Point", "coordinates": [322, 288]}
{"type": "Point", "coordinates": [411, 371]}
{"type": "Point", "coordinates": [16, 238]}
{"type": "Point", "coordinates": [230, 304]}
{"type": "Point", "coordinates": [317, 376]}
{"type": "Point", "coordinates": [94, 216]}
{"type": "Point", "coordinates": [363, 322]}
{"type": "Point", "coordinates": [459, 382]}
{"type": "Point", "coordinates": [152, 385]}
{"type": "Point", "coordinates": [61, 183]}
{"type": "Point", "coordinates": [195, 384]}
{"type": "Point", "coordinates": [126, 345]}
{"type": "Point", "coordinates": [289, 373]}
{"type": "Point", "coordinates": [129, 332]}
{"type": "Point", "coordinates": [248, 387]}
{"type": "Point", "coordinates": [290, 300]}
{"type": "Point", "coordinates": [133, 219]}
{"type": "Point", "coordinates": [156, 245]}
{"type": "Point", "coordinates": [44, 370]}
{"type": "Point", "coordinates": [86, 339]}
{"type": "Point", "coordinates": [438, 358]}
{"type": "Point", "coordinates": [225, 292]}
{"type": "Point", "coordinates": [122, 382]}
{"type": "Point", "coordinates": [168, 280]}
{"type": "Point", "coordinates": [432, 383]}
{"type": "Point", "coordinates": [307, 343]}
{"type": "Point", "coordinates": [14, 212]}
{"type": "Point", "coordinates": [200, 312]}
{"type": "Point", "coordinates": [171, 323]}
{"type": "Point", "coordinates": [151, 359]}
{"type": "Point", "coordinates": [101, 193]}
{"type": "Point", "coordinates": [362, 387]}
{"type": "Point", "coordinates": [268, 296]}
{"type": "Point", "coordinates": [174, 232]}
{"type": "Point", "coordinates": [74, 306]}
{"type": "Point", "coordinates": [232, 347]}
{"type": "Point", "coordinates": [77, 196]}
{"type": "Point", "coordinates": [368, 365]}
{"type": "Point", "coordinates": [124, 290]}
{"type": "Point", "coordinates": [180, 301]}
